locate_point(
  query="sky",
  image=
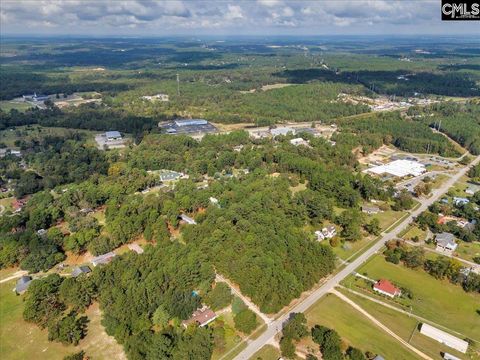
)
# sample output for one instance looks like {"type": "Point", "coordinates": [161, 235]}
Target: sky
{"type": "Point", "coordinates": [226, 18]}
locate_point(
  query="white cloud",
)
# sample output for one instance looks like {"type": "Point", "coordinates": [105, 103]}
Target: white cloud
{"type": "Point", "coordinates": [233, 12]}
{"type": "Point", "coordinates": [253, 17]}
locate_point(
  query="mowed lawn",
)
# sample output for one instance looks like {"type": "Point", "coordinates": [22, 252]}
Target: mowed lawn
{"type": "Point", "coordinates": [20, 340]}
{"type": "Point", "coordinates": [268, 352]}
{"type": "Point", "coordinates": [404, 326]}
{"type": "Point", "coordinates": [436, 300]}
{"type": "Point", "coordinates": [355, 328]}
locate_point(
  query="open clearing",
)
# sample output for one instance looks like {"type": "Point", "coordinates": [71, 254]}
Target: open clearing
{"type": "Point", "coordinates": [436, 300]}
{"type": "Point", "coordinates": [268, 352]}
{"type": "Point", "coordinates": [29, 132]}
{"type": "Point", "coordinates": [355, 328]}
{"type": "Point", "coordinates": [8, 105]}
{"type": "Point", "coordinates": [404, 326]}
{"type": "Point", "coordinates": [21, 340]}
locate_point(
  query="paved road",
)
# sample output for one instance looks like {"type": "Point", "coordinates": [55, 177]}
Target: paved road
{"type": "Point", "coordinates": [275, 326]}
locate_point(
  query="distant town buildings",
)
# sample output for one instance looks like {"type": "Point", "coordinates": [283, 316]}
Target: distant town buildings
{"type": "Point", "coordinates": [282, 131]}
{"type": "Point", "coordinates": [188, 127]}
{"type": "Point", "coordinates": [110, 140]}
{"type": "Point", "coordinates": [299, 141]}
{"type": "Point", "coordinates": [157, 97]}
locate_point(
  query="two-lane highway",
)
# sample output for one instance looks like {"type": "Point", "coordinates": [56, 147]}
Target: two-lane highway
{"type": "Point", "coordinates": [276, 326]}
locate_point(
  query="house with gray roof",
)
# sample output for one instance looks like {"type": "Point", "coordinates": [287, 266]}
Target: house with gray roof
{"type": "Point", "coordinates": [79, 270]}
{"type": "Point", "coordinates": [103, 259]}
{"type": "Point", "coordinates": [446, 242]}
{"type": "Point", "coordinates": [22, 284]}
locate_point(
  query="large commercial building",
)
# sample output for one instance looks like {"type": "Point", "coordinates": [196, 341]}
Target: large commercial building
{"type": "Point", "coordinates": [399, 168]}
{"type": "Point", "coordinates": [188, 127]}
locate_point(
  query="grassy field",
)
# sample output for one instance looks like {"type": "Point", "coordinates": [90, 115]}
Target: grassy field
{"type": "Point", "coordinates": [348, 248]}
{"type": "Point", "coordinates": [9, 105]}
{"type": "Point", "coordinates": [21, 340]}
{"type": "Point", "coordinates": [268, 352]}
{"type": "Point", "coordinates": [386, 218]}
{"type": "Point", "coordinates": [436, 300]}
{"type": "Point", "coordinates": [404, 326]}
{"type": "Point", "coordinates": [415, 231]}
{"type": "Point", "coordinates": [356, 329]}
{"type": "Point", "coordinates": [468, 251]}
{"type": "Point", "coordinates": [7, 203]}
{"type": "Point", "coordinates": [29, 132]}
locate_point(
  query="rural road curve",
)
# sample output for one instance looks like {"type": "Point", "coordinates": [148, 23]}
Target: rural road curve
{"type": "Point", "coordinates": [14, 276]}
{"type": "Point", "coordinates": [276, 326]}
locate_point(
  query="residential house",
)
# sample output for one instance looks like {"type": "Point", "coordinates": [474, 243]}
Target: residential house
{"type": "Point", "coordinates": [326, 233]}
{"type": "Point", "coordinates": [299, 141]}
{"type": "Point", "coordinates": [103, 259]}
{"type": "Point", "coordinates": [446, 242]}
{"type": "Point", "coordinates": [370, 209]}
{"type": "Point", "coordinates": [79, 270]}
{"type": "Point", "coordinates": [188, 219]}
{"type": "Point", "coordinates": [460, 201]}
{"type": "Point", "coordinates": [386, 288]}
{"type": "Point", "coordinates": [472, 189]}
{"type": "Point", "coordinates": [22, 284]}
{"type": "Point", "coordinates": [201, 316]}
{"type": "Point", "coordinates": [135, 247]}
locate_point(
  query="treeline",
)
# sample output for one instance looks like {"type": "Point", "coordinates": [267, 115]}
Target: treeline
{"type": "Point", "coordinates": [460, 122]}
{"type": "Point", "coordinates": [442, 267]}
{"type": "Point", "coordinates": [87, 116]}
{"type": "Point", "coordinates": [391, 128]}
{"type": "Point", "coordinates": [53, 160]}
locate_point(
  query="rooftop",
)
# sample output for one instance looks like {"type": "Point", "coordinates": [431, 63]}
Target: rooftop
{"type": "Point", "coordinates": [399, 168]}
{"type": "Point", "coordinates": [202, 317]}
{"type": "Point", "coordinates": [386, 286]}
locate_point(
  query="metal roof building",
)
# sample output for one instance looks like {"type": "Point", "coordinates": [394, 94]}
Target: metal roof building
{"type": "Point", "coordinates": [113, 135]}
{"type": "Point", "coordinates": [444, 338]}
{"type": "Point", "coordinates": [79, 270]}
{"type": "Point", "coordinates": [190, 122]}
{"type": "Point", "coordinates": [399, 168]}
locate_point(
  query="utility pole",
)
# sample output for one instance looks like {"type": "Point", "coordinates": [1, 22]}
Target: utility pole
{"type": "Point", "coordinates": [178, 84]}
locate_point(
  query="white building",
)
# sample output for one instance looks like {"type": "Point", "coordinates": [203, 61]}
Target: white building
{"type": "Point", "coordinates": [299, 141]}
{"type": "Point", "coordinates": [399, 168]}
{"type": "Point", "coordinates": [446, 242]}
{"type": "Point", "coordinates": [159, 97]}
{"type": "Point", "coordinates": [444, 338]}
{"type": "Point", "coordinates": [326, 233]}
{"type": "Point", "coordinates": [282, 131]}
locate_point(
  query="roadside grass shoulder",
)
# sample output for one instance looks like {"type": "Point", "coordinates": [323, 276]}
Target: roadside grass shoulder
{"type": "Point", "coordinates": [268, 352]}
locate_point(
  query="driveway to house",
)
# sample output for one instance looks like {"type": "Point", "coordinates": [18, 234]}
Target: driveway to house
{"type": "Point", "coordinates": [14, 276]}
{"type": "Point", "coordinates": [275, 326]}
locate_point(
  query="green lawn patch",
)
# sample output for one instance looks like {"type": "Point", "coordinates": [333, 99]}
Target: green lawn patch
{"type": "Point", "coordinates": [356, 329]}
{"type": "Point", "coordinates": [436, 300]}
{"type": "Point", "coordinates": [268, 352]}
{"type": "Point", "coordinates": [404, 326]}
